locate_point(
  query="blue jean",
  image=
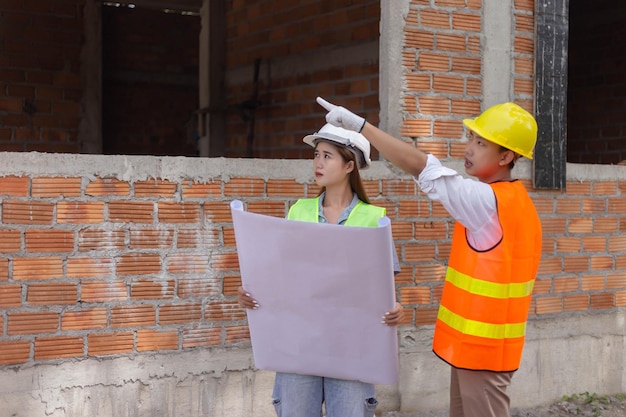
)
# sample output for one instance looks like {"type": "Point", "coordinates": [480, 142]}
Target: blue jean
{"type": "Point", "coordinates": [302, 396]}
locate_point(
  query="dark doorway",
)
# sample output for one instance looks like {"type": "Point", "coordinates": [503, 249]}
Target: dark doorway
{"type": "Point", "coordinates": [596, 110]}
{"type": "Point", "coordinates": [150, 81]}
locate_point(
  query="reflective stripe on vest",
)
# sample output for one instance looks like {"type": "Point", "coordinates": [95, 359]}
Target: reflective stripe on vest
{"type": "Point", "coordinates": [362, 215]}
{"type": "Point", "coordinates": [486, 295]}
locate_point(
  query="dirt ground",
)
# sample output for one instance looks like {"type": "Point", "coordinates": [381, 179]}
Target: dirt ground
{"type": "Point", "coordinates": [579, 405]}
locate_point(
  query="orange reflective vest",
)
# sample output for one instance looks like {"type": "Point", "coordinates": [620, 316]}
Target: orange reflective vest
{"type": "Point", "coordinates": [363, 214]}
{"type": "Point", "coordinates": [486, 295]}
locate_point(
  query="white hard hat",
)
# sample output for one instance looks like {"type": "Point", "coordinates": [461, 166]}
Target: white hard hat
{"type": "Point", "coordinates": [353, 141]}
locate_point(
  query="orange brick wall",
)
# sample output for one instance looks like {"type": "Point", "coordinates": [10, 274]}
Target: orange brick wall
{"type": "Point", "coordinates": [308, 31]}
{"type": "Point", "coordinates": [40, 88]}
{"type": "Point", "coordinates": [442, 58]}
{"type": "Point", "coordinates": [91, 267]}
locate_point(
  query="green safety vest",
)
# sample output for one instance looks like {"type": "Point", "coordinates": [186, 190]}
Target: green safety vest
{"type": "Point", "coordinates": [363, 214]}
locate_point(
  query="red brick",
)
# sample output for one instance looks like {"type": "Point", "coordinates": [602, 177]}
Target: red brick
{"type": "Point", "coordinates": [398, 187]}
{"type": "Point", "coordinates": [548, 305]}
{"type": "Point", "coordinates": [103, 291]}
{"type": "Point", "coordinates": [419, 39]}
{"type": "Point", "coordinates": [148, 289]}
{"type": "Point", "coordinates": [237, 333]}
{"type": "Point", "coordinates": [602, 301]}
{"type": "Point", "coordinates": [434, 105]}
{"type": "Point", "coordinates": [576, 264]}
{"type": "Point", "coordinates": [210, 189]}
{"type": "Point", "coordinates": [58, 347]}
{"type": "Point", "coordinates": [10, 295]}
{"type": "Point", "coordinates": [466, 22]}
{"type": "Point", "coordinates": [434, 18]}
{"type": "Point", "coordinates": [217, 212]}
{"type": "Point", "coordinates": [14, 352]}
{"type": "Point", "coordinates": [49, 240]}
{"type": "Point", "coordinates": [202, 336]}
{"type": "Point", "coordinates": [99, 344]}
{"type": "Point", "coordinates": [179, 212]}
{"type": "Point", "coordinates": [154, 188]}
{"type": "Point", "coordinates": [151, 238]}
{"type": "Point", "coordinates": [89, 267]}
{"type": "Point", "coordinates": [268, 208]}
{"type": "Point", "coordinates": [568, 244]}
{"type": "Point", "coordinates": [26, 212]}
{"type": "Point", "coordinates": [80, 212]}
{"type": "Point", "coordinates": [576, 302]}
{"type": "Point", "coordinates": [138, 264]}
{"type": "Point", "coordinates": [565, 284]}
{"type": "Point", "coordinates": [37, 268]}
{"type": "Point", "coordinates": [157, 340]}
{"type": "Point", "coordinates": [245, 187]}
{"type": "Point", "coordinates": [58, 293]}
{"type": "Point", "coordinates": [10, 241]}
{"type": "Point", "coordinates": [425, 316]}
{"type": "Point", "coordinates": [14, 186]}
{"type": "Point", "coordinates": [95, 318]}
{"type": "Point", "coordinates": [415, 295]}
{"type": "Point", "coordinates": [133, 316]}
{"type": "Point", "coordinates": [101, 239]}
{"type": "Point", "coordinates": [180, 313]}
{"type": "Point", "coordinates": [197, 238]}
{"type": "Point", "coordinates": [183, 263]}
{"type": "Point", "coordinates": [131, 211]}
{"type": "Point", "coordinates": [592, 282]}
{"type": "Point", "coordinates": [224, 262]}
{"type": "Point", "coordinates": [576, 225]}
{"type": "Point", "coordinates": [428, 61]}
{"type": "Point", "coordinates": [230, 285]}
{"type": "Point", "coordinates": [418, 252]}
{"type": "Point", "coordinates": [107, 187]}
{"type": "Point", "coordinates": [224, 311]}
{"type": "Point", "coordinates": [56, 187]}
{"type": "Point", "coordinates": [616, 281]}
{"type": "Point", "coordinates": [32, 323]}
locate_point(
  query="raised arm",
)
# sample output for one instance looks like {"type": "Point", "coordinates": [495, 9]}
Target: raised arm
{"type": "Point", "coordinates": [400, 153]}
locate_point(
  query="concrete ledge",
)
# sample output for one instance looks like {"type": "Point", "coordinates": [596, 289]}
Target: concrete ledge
{"type": "Point", "coordinates": [563, 355]}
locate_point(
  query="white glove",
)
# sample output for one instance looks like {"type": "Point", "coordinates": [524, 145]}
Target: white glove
{"type": "Point", "coordinates": [342, 117]}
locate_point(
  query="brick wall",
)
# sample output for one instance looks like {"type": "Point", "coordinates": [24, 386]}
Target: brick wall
{"type": "Point", "coordinates": [442, 57]}
{"type": "Point", "coordinates": [100, 266]}
{"type": "Point", "coordinates": [40, 89]}
{"type": "Point", "coordinates": [299, 61]}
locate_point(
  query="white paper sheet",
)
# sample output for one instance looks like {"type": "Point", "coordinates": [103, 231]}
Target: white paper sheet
{"type": "Point", "coordinates": [322, 290]}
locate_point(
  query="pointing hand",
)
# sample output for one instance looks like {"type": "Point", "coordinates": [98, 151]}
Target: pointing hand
{"type": "Point", "coordinates": [341, 117]}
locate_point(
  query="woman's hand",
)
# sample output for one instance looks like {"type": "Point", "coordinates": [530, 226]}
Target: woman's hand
{"type": "Point", "coordinates": [395, 316]}
{"type": "Point", "coordinates": [245, 300]}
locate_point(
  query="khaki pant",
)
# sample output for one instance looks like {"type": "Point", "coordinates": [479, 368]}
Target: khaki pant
{"type": "Point", "coordinates": [479, 393]}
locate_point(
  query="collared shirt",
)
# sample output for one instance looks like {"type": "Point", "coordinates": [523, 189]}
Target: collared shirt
{"type": "Point", "coordinates": [344, 216]}
{"type": "Point", "coordinates": [470, 202]}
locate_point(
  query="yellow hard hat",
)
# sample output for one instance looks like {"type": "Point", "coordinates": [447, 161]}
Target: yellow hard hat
{"type": "Point", "coordinates": [508, 125]}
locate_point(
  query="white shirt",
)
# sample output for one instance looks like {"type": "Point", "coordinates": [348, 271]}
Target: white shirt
{"type": "Point", "coordinates": [470, 202]}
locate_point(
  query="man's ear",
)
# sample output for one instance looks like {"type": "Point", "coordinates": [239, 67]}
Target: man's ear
{"type": "Point", "coordinates": [507, 157]}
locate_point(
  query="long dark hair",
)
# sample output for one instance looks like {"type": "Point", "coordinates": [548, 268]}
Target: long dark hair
{"type": "Point", "coordinates": [356, 184]}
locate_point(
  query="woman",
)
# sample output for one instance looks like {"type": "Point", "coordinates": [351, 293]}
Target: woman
{"type": "Point", "coordinates": [339, 154]}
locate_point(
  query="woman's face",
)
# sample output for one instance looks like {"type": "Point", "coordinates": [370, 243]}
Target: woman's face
{"type": "Point", "coordinates": [329, 166]}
